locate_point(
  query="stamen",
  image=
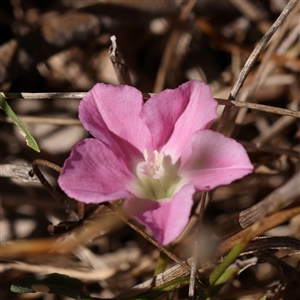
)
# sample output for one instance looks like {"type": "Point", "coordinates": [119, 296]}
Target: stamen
{"type": "Point", "coordinates": [157, 176]}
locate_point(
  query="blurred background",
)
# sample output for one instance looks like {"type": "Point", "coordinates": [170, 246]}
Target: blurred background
{"type": "Point", "coordinates": [63, 46]}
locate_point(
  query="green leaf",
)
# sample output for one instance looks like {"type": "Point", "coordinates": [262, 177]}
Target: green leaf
{"type": "Point", "coordinates": [53, 284]}
{"type": "Point", "coordinates": [228, 260]}
{"type": "Point", "coordinates": [29, 138]}
{"type": "Point", "coordinates": [224, 278]}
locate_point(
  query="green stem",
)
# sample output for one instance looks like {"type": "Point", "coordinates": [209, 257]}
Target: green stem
{"type": "Point", "coordinates": [161, 263]}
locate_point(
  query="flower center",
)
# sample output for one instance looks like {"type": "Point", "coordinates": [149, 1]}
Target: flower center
{"type": "Point", "coordinates": [157, 177]}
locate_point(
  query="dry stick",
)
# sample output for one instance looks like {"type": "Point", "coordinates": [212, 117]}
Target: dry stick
{"type": "Point", "coordinates": [260, 243]}
{"type": "Point", "coordinates": [278, 199]}
{"type": "Point", "coordinates": [171, 47]}
{"type": "Point", "coordinates": [121, 215]}
{"type": "Point", "coordinates": [260, 107]}
{"type": "Point", "coordinates": [258, 228]}
{"type": "Point", "coordinates": [43, 120]}
{"type": "Point", "coordinates": [21, 172]}
{"type": "Point", "coordinates": [44, 96]}
{"type": "Point", "coordinates": [253, 58]}
{"type": "Point", "coordinates": [80, 95]}
{"type": "Point", "coordinates": [195, 251]}
{"type": "Point", "coordinates": [53, 192]}
{"type": "Point", "coordinates": [118, 62]}
{"type": "Point", "coordinates": [76, 122]}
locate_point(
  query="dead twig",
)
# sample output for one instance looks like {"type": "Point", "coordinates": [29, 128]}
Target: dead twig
{"type": "Point", "coordinates": [43, 120]}
{"type": "Point", "coordinates": [118, 62]}
{"type": "Point", "coordinates": [20, 172]}
{"type": "Point", "coordinates": [80, 95]}
{"type": "Point", "coordinates": [278, 199]}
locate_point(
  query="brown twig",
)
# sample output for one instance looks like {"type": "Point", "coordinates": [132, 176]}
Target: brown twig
{"type": "Point", "coordinates": [278, 199]}
{"type": "Point", "coordinates": [258, 228]}
{"type": "Point", "coordinates": [20, 172]}
{"type": "Point", "coordinates": [44, 96]}
{"type": "Point", "coordinates": [260, 107]}
{"type": "Point", "coordinates": [43, 120]}
{"type": "Point", "coordinates": [80, 95]}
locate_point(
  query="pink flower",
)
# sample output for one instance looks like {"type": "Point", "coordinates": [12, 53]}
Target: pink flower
{"type": "Point", "coordinates": [155, 155]}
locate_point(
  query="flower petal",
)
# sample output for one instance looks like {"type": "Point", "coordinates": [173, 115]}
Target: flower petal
{"type": "Point", "coordinates": [114, 110]}
{"type": "Point", "coordinates": [94, 173]}
{"type": "Point", "coordinates": [173, 116]}
{"type": "Point", "coordinates": [161, 112]}
{"type": "Point", "coordinates": [165, 219]}
{"type": "Point", "coordinates": [211, 159]}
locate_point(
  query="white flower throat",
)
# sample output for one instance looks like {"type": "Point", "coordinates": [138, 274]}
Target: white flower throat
{"type": "Point", "coordinates": [157, 176]}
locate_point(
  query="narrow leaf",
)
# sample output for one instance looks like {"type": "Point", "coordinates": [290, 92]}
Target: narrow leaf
{"type": "Point", "coordinates": [30, 141]}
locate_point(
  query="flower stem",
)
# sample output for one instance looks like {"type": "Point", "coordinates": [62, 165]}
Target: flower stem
{"type": "Point", "coordinates": [161, 263]}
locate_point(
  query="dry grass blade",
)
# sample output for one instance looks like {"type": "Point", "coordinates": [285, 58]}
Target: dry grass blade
{"type": "Point", "coordinates": [278, 199]}
{"type": "Point", "coordinates": [257, 229]}
{"type": "Point", "coordinates": [260, 107]}
{"type": "Point", "coordinates": [44, 120]}
{"type": "Point", "coordinates": [272, 242]}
